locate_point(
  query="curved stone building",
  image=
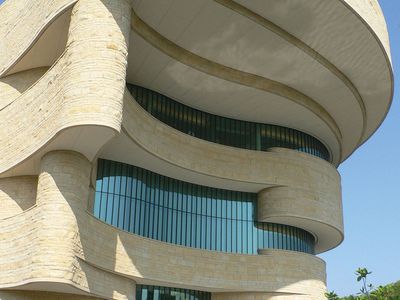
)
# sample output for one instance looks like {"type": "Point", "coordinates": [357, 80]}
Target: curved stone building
{"type": "Point", "coordinates": [175, 149]}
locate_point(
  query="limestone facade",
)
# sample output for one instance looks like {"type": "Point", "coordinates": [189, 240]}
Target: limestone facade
{"type": "Point", "coordinates": [59, 117]}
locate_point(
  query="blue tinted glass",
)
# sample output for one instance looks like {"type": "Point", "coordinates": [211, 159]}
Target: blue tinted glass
{"type": "Point", "coordinates": [187, 214]}
{"type": "Point", "coordinates": [96, 204]}
{"type": "Point", "coordinates": [217, 129]}
{"type": "Point", "coordinates": [145, 292]}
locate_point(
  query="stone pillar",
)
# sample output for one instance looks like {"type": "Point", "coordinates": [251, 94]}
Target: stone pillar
{"type": "Point", "coordinates": [62, 194]}
{"type": "Point", "coordinates": [63, 224]}
{"type": "Point", "coordinates": [97, 51]}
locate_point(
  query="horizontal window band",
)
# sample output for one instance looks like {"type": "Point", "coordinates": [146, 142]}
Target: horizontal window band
{"type": "Point", "coordinates": [149, 292]}
{"type": "Point", "coordinates": [223, 130]}
{"type": "Point", "coordinates": [173, 211]}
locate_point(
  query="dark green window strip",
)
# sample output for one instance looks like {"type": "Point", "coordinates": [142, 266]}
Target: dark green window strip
{"type": "Point", "coordinates": [182, 213]}
{"type": "Point", "coordinates": [148, 292]}
{"type": "Point", "coordinates": [226, 131]}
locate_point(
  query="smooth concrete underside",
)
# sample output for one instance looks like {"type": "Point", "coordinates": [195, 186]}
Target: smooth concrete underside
{"type": "Point", "coordinates": [308, 197]}
{"type": "Point", "coordinates": [305, 45]}
{"type": "Point", "coordinates": [291, 63]}
{"type": "Point", "coordinates": [295, 63]}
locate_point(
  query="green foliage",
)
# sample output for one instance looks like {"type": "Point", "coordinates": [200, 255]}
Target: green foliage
{"type": "Point", "coordinates": [366, 288]}
{"type": "Point", "coordinates": [381, 292]}
{"type": "Point", "coordinates": [367, 292]}
{"type": "Point", "coordinates": [332, 296]}
{"type": "Point", "coordinates": [387, 292]}
{"type": "Point", "coordinates": [351, 297]}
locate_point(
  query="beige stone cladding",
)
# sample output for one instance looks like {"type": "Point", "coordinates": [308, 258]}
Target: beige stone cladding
{"type": "Point", "coordinates": [230, 74]}
{"type": "Point", "coordinates": [36, 16]}
{"type": "Point", "coordinates": [83, 88]}
{"type": "Point", "coordinates": [55, 122]}
{"type": "Point", "coordinates": [298, 189]}
{"type": "Point", "coordinates": [82, 91]}
{"type": "Point", "coordinates": [11, 87]}
{"type": "Point", "coordinates": [304, 208]}
{"type": "Point", "coordinates": [275, 167]}
{"type": "Point", "coordinates": [17, 194]}
{"type": "Point", "coordinates": [320, 45]}
{"type": "Point", "coordinates": [153, 262]}
{"type": "Point", "coordinates": [33, 295]}
{"type": "Point", "coordinates": [45, 241]}
{"type": "Point", "coordinates": [57, 241]}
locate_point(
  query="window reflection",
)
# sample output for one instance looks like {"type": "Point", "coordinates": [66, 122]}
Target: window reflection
{"type": "Point", "coordinates": [226, 131]}
{"type": "Point", "coordinates": [173, 211]}
{"type": "Point", "coordinates": [147, 292]}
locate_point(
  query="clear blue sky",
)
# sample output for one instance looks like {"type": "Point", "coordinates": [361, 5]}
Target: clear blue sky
{"type": "Point", "coordinates": [371, 195]}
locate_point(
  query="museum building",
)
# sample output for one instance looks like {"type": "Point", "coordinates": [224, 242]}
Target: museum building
{"type": "Point", "coordinates": [175, 149]}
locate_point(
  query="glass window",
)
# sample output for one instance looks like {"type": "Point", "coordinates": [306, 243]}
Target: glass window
{"type": "Point", "coordinates": [145, 292]}
{"type": "Point", "coordinates": [173, 211]}
{"type": "Point", "coordinates": [222, 130]}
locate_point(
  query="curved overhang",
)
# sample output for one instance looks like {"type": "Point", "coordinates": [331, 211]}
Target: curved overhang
{"type": "Point", "coordinates": [319, 214]}
{"type": "Point", "coordinates": [371, 14]}
{"type": "Point", "coordinates": [48, 125]}
{"type": "Point", "coordinates": [298, 273]}
{"type": "Point", "coordinates": [28, 269]}
{"type": "Point", "coordinates": [13, 86]}
{"type": "Point", "coordinates": [110, 270]}
{"type": "Point", "coordinates": [184, 157]}
{"type": "Point", "coordinates": [56, 112]}
{"type": "Point", "coordinates": [232, 75]}
{"type": "Point", "coordinates": [40, 41]}
{"type": "Point", "coordinates": [279, 65]}
{"type": "Point", "coordinates": [294, 188]}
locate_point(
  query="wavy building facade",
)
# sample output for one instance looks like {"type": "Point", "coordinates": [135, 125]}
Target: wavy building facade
{"type": "Point", "coordinates": [174, 149]}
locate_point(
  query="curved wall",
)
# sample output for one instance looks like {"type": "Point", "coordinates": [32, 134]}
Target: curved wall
{"type": "Point", "coordinates": [58, 111]}
{"type": "Point", "coordinates": [181, 156]}
{"type": "Point", "coordinates": [59, 247]}
{"type": "Point", "coordinates": [291, 43]}
{"type": "Point", "coordinates": [218, 161]}
{"type": "Point", "coordinates": [36, 17]}
{"type": "Point", "coordinates": [13, 86]}
{"type": "Point", "coordinates": [371, 13]}
{"type": "Point", "coordinates": [136, 257]}
{"type": "Point", "coordinates": [237, 77]}
{"type": "Point", "coordinates": [45, 239]}
{"type": "Point", "coordinates": [17, 194]}
{"type": "Point", "coordinates": [173, 211]}
{"type": "Point", "coordinates": [225, 131]}
{"type": "Point", "coordinates": [306, 209]}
